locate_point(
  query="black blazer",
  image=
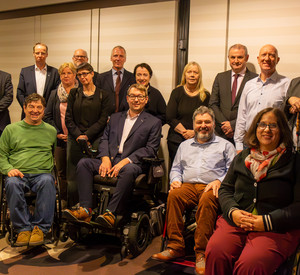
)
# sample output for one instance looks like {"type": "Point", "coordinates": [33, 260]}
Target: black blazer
{"type": "Point", "coordinates": [142, 141]}
{"type": "Point", "coordinates": [293, 90]}
{"type": "Point", "coordinates": [277, 194]}
{"type": "Point", "coordinates": [97, 117]}
{"type": "Point", "coordinates": [105, 82]}
{"type": "Point", "coordinates": [220, 99]}
{"type": "Point", "coordinates": [52, 115]}
{"type": "Point", "coordinates": [27, 83]}
{"type": "Point", "coordinates": [6, 98]}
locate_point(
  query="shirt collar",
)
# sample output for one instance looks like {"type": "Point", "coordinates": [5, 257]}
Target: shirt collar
{"type": "Point", "coordinates": [241, 73]}
{"type": "Point", "coordinates": [114, 71]}
{"type": "Point", "coordinates": [36, 68]}
{"type": "Point", "coordinates": [132, 118]}
{"type": "Point", "coordinates": [273, 77]}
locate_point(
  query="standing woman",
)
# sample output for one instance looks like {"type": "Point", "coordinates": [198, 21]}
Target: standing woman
{"type": "Point", "coordinates": [184, 100]}
{"type": "Point", "coordinates": [55, 115]}
{"type": "Point", "coordinates": [86, 118]}
{"type": "Point", "coordinates": [156, 105]}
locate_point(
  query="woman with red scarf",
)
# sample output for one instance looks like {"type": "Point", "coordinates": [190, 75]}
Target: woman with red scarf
{"type": "Point", "coordinates": [260, 201]}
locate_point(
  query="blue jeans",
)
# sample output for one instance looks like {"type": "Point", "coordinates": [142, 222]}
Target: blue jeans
{"type": "Point", "coordinates": [43, 186]}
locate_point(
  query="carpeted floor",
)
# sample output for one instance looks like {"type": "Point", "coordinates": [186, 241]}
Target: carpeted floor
{"type": "Point", "coordinates": [101, 256]}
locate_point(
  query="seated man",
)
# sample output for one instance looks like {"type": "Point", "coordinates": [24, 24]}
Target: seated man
{"type": "Point", "coordinates": [26, 158]}
{"type": "Point", "coordinates": [198, 169]}
{"type": "Point", "coordinates": [128, 138]}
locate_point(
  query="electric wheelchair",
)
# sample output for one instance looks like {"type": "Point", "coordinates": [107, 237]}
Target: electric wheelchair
{"type": "Point", "coordinates": [143, 218]}
{"type": "Point", "coordinates": [6, 227]}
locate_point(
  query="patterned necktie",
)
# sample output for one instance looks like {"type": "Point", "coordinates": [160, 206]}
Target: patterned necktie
{"type": "Point", "coordinates": [117, 90]}
{"type": "Point", "coordinates": [234, 86]}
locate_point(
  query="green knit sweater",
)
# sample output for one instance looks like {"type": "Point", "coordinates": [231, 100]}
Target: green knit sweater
{"type": "Point", "coordinates": [27, 148]}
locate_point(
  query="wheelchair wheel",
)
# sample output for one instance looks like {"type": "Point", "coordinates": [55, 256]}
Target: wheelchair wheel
{"type": "Point", "coordinates": [139, 235]}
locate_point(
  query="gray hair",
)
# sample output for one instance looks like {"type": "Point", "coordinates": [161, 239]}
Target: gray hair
{"type": "Point", "coordinates": [204, 110]}
{"type": "Point", "coordinates": [238, 46]}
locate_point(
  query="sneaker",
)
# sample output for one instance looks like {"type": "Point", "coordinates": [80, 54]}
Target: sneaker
{"type": "Point", "coordinates": [80, 214]}
{"type": "Point", "coordinates": [200, 264]}
{"type": "Point", "coordinates": [23, 238]}
{"type": "Point", "coordinates": [37, 237]}
{"type": "Point", "coordinates": [106, 220]}
{"type": "Point", "coordinates": [168, 255]}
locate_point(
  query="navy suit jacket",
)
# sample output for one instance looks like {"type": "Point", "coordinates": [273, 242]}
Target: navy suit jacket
{"type": "Point", "coordinates": [27, 83]}
{"type": "Point", "coordinates": [142, 141]}
{"type": "Point", "coordinates": [220, 99]}
{"type": "Point", "coordinates": [6, 98]}
{"type": "Point", "coordinates": [105, 82]}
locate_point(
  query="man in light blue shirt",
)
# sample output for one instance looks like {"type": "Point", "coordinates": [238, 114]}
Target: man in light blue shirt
{"type": "Point", "coordinates": [267, 90]}
{"type": "Point", "coordinates": [200, 165]}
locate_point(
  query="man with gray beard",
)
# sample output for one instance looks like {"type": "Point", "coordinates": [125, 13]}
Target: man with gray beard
{"type": "Point", "coordinates": [199, 167]}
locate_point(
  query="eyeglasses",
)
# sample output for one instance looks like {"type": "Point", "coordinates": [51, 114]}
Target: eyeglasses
{"type": "Point", "coordinates": [83, 74]}
{"type": "Point", "coordinates": [79, 56]}
{"type": "Point", "coordinates": [263, 126]}
{"type": "Point", "coordinates": [139, 97]}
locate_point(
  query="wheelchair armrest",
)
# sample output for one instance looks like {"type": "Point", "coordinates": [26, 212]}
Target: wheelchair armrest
{"type": "Point", "coordinates": [105, 180]}
{"type": "Point", "coordinates": [153, 161]}
{"type": "Point", "coordinates": [86, 148]}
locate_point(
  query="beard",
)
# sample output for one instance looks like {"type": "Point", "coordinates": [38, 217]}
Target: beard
{"type": "Point", "coordinates": [204, 137]}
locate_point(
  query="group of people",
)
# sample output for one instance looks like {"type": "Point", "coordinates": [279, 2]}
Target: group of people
{"type": "Point", "coordinates": [120, 114]}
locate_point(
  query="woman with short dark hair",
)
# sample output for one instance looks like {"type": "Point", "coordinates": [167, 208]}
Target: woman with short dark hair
{"type": "Point", "coordinates": [260, 201]}
{"type": "Point", "coordinates": [86, 118]}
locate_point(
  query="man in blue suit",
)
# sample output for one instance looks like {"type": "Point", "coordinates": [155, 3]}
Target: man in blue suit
{"type": "Point", "coordinates": [39, 78]}
{"type": "Point", "coordinates": [129, 137]}
{"type": "Point", "coordinates": [117, 80]}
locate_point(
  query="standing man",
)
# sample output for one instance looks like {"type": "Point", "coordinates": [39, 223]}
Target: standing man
{"type": "Point", "coordinates": [39, 78]}
{"type": "Point", "coordinates": [129, 137]}
{"type": "Point", "coordinates": [117, 80]}
{"type": "Point", "coordinates": [200, 165]}
{"type": "Point", "coordinates": [6, 98]}
{"type": "Point", "coordinates": [227, 89]}
{"type": "Point", "coordinates": [26, 158]}
{"type": "Point", "coordinates": [79, 57]}
{"type": "Point", "coordinates": [266, 90]}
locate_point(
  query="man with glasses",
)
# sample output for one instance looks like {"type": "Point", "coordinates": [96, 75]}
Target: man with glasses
{"type": "Point", "coordinates": [117, 80]}
{"type": "Point", "coordinates": [266, 90]}
{"type": "Point", "coordinates": [79, 57]}
{"type": "Point", "coordinates": [129, 137]}
{"type": "Point", "coordinates": [39, 78]}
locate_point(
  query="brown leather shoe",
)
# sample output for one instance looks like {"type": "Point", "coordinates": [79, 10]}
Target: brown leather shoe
{"type": "Point", "coordinates": [200, 264]}
{"type": "Point", "coordinates": [106, 220]}
{"type": "Point", "coordinates": [37, 237]}
{"type": "Point", "coordinates": [168, 255]}
{"type": "Point", "coordinates": [23, 238]}
{"type": "Point", "coordinates": [80, 215]}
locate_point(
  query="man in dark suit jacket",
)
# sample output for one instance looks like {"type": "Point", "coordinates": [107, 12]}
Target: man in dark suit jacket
{"type": "Point", "coordinates": [6, 98]}
{"type": "Point", "coordinates": [128, 138]}
{"type": "Point", "coordinates": [108, 80]}
{"type": "Point", "coordinates": [222, 101]}
{"type": "Point", "coordinates": [39, 78]}
{"type": "Point", "coordinates": [80, 56]}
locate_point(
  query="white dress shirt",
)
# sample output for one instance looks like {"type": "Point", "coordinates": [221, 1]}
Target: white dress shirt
{"type": "Point", "coordinates": [40, 79]}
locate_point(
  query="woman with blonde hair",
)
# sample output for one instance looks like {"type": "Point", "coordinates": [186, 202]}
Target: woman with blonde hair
{"type": "Point", "coordinates": [184, 100]}
{"type": "Point", "coordinates": [55, 115]}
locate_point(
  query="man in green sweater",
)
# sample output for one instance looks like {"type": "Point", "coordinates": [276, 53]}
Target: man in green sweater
{"type": "Point", "coordinates": [26, 158]}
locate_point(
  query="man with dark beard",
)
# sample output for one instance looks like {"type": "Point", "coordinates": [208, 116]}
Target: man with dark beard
{"type": "Point", "coordinates": [199, 167]}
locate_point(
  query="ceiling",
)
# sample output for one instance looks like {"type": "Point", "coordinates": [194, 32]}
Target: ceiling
{"type": "Point", "coordinates": [21, 4]}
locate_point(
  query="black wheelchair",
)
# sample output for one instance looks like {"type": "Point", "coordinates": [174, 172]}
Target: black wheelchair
{"type": "Point", "coordinates": [6, 226]}
{"type": "Point", "coordinates": [143, 218]}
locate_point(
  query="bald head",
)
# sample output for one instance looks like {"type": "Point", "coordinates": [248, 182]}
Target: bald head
{"type": "Point", "coordinates": [79, 57]}
{"type": "Point", "coordinates": [268, 59]}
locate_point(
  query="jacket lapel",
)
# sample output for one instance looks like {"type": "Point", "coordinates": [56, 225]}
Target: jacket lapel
{"type": "Point", "coordinates": [121, 126]}
{"type": "Point", "coordinates": [140, 120]}
{"type": "Point", "coordinates": [33, 77]}
{"type": "Point", "coordinates": [48, 76]}
{"type": "Point", "coordinates": [111, 80]}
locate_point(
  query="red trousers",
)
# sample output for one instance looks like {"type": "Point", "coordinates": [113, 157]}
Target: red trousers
{"type": "Point", "coordinates": [188, 196]}
{"type": "Point", "coordinates": [232, 250]}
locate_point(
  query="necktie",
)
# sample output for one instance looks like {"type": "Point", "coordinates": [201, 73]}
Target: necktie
{"type": "Point", "coordinates": [234, 86]}
{"type": "Point", "coordinates": [117, 90]}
